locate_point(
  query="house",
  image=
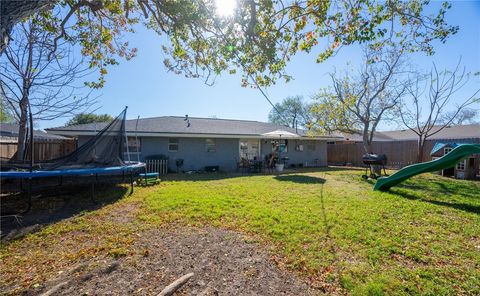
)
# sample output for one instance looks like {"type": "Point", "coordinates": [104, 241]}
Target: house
{"type": "Point", "coordinates": [401, 148]}
{"type": "Point", "coordinates": [454, 132]}
{"type": "Point", "coordinates": [46, 146]}
{"type": "Point", "coordinates": [10, 131]}
{"type": "Point", "coordinates": [202, 142]}
{"type": "Point", "coordinates": [468, 168]}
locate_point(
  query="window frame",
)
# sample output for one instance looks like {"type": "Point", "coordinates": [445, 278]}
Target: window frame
{"type": "Point", "coordinates": [128, 147]}
{"type": "Point", "coordinates": [173, 142]}
{"type": "Point", "coordinates": [209, 143]}
{"type": "Point", "coordinates": [278, 143]}
{"type": "Point", "coordinates": [461, 163]}
{"type": "Point", "coordinates": [311, 144]}
{"type": "Point", "coordinates": [299, 146]}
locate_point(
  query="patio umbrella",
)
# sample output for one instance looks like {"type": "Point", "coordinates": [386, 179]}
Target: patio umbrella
{"type": "Point", "coordinates": [280, 134]}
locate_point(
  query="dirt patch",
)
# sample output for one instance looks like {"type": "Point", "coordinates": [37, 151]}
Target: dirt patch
{"type": "Point", "coordinates": [132, 258]}
{"type": "Point", "coordinates": [224, 263]}
{"type": "Point", "coordinates": [48, 209]}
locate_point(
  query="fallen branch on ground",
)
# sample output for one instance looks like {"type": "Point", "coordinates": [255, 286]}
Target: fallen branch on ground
{"type": "Point", "coordinates": [170, 289]}
{"type": "Point", "coordinates": [55, 289]}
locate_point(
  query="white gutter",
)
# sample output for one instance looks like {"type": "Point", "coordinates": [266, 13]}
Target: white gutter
{"type": "Point", "coordinates": [185, 135]}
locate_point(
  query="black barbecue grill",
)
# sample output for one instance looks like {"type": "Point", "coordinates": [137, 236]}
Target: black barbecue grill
{"type": "Point", "coordinates": [371, 160]}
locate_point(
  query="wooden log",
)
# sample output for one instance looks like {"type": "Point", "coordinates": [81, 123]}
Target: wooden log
{"type": "Point", "coordinates": [55, 289]}
{"type": "Point", "coordinates": [170, 289]}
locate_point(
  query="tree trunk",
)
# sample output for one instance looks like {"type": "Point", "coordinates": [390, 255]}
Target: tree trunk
{"type": "Point", "coordinates": [26, 84]}
{"type": "Point", "coordinates": [421, 148]}
{"type": "Point", "coordinates": [22, 130]}
{"type": "Point", "coordinates": [367, 144]}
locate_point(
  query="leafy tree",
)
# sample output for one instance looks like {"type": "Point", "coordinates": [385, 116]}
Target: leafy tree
{"type": "Point", "coordinates": [5, 113]}
{"type": "Point", "coordinates": [259, 38]}
{"type": "Point", "coordinates": [292, 112]}
{"type": "Point", "coordinates": [84, 118]}
{"type": "Point", "coordinates": [358, 103]}
{"type": "Point", "coordinates": [33, 82]}
{"type": "Point", "coordinates": [429, 109]}
{"type": "Point", "coordinates": [465, 116]}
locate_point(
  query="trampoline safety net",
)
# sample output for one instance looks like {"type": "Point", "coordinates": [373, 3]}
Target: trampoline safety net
{"type": "Point", "coordinates": [103, 150]}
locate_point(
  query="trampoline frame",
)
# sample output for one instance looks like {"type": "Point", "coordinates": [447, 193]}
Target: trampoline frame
{"type": "Point", "coordinates": [128, 167]}
{"type": "Point", "coordinates": [93, 172]}
{"type": "Point", "coordinates": [70, 172]}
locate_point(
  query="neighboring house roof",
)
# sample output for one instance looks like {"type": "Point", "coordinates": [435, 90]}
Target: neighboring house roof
{"type": "Point", "coordinates": [470, 131]}
{"type": "Point", "coordinates": [438, 146]}
{"type": "Point", "coordinates": [177, 126]}
{"type": "Point", "coordinates": [10, 130]}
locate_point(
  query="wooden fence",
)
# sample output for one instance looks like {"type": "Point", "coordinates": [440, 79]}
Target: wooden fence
{"type": "Point", "coordinates": [399, 153]}
{"type": "Point", "coordinates": [157, 166]}
{"type": "Point", "coordinates": [44, 149]}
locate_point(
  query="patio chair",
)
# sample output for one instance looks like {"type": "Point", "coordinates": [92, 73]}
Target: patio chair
{"type": "Point", "coordinates": [246, 165]}
{"type": "Point", "coordinates": [269, 163]}
{"type": "Point", "coordinates": [242, 164]}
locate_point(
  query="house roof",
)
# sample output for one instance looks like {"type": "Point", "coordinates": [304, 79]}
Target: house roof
{"type": "Point", "coordinates": [11, 130]}
{"type": "Point", "coordinates": [470, 131]}
{"type": "Point", "coordinates": [438, 146]}
{"type": "Point", "coordinates": [177, 126]}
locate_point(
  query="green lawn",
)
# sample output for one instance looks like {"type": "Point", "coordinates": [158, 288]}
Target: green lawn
{"type": "Point", "coordinates": [423, 237]}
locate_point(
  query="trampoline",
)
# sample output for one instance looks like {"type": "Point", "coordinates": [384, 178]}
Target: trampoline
{"type": "Point", "coordinates": [72, 172]}
{"type": "Point", "coordinates": [102, 155]}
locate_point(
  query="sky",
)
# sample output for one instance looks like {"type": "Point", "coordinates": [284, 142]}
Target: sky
{"type": "Point", "coordinates": [149, 90]}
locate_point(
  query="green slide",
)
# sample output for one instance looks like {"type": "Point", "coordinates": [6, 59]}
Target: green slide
{"type": "Point", "coordinates": [447, 161]}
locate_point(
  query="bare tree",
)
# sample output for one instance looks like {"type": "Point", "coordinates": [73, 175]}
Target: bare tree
{"type": "Point", "coordinates": [31, 76]}
{"type": "Point", "coordinates": [429, 106]}
{"type": "Point", "coordinates": [358, 103]}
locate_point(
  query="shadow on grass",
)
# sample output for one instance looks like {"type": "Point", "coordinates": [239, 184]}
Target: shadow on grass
{"type": "Point", "coordinates": [52, 206]}
{"type": "Point", "coordinates": [459, 206]}
{"type": "Point", "coordinates": [447, 186]}
{"type": "Point", "coordinates": [203, 176]}
{"type": "Point", "coordinates": [302, 179]}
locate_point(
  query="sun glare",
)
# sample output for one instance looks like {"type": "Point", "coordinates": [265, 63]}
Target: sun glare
{"type": "Point", "coordinates": [225, 8]}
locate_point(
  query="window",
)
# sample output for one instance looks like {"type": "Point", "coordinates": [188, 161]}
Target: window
{"type": "Point", "coordinates": [311, 145]}
{"type": "Point", "coordinates": [462, 165]}
{"type": "Point", "coordinates": [134, 145]}
{"type": "Point", "coordinates": [298, 146]}
{"type": "Point", "coordinates": [280, 146]}
{"type": "Point", "coordinates": [210, 145]}
{"type": "Point", "coordinates": [447, 150]}
{"type": "Point", "coordinates": [173, 145]}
